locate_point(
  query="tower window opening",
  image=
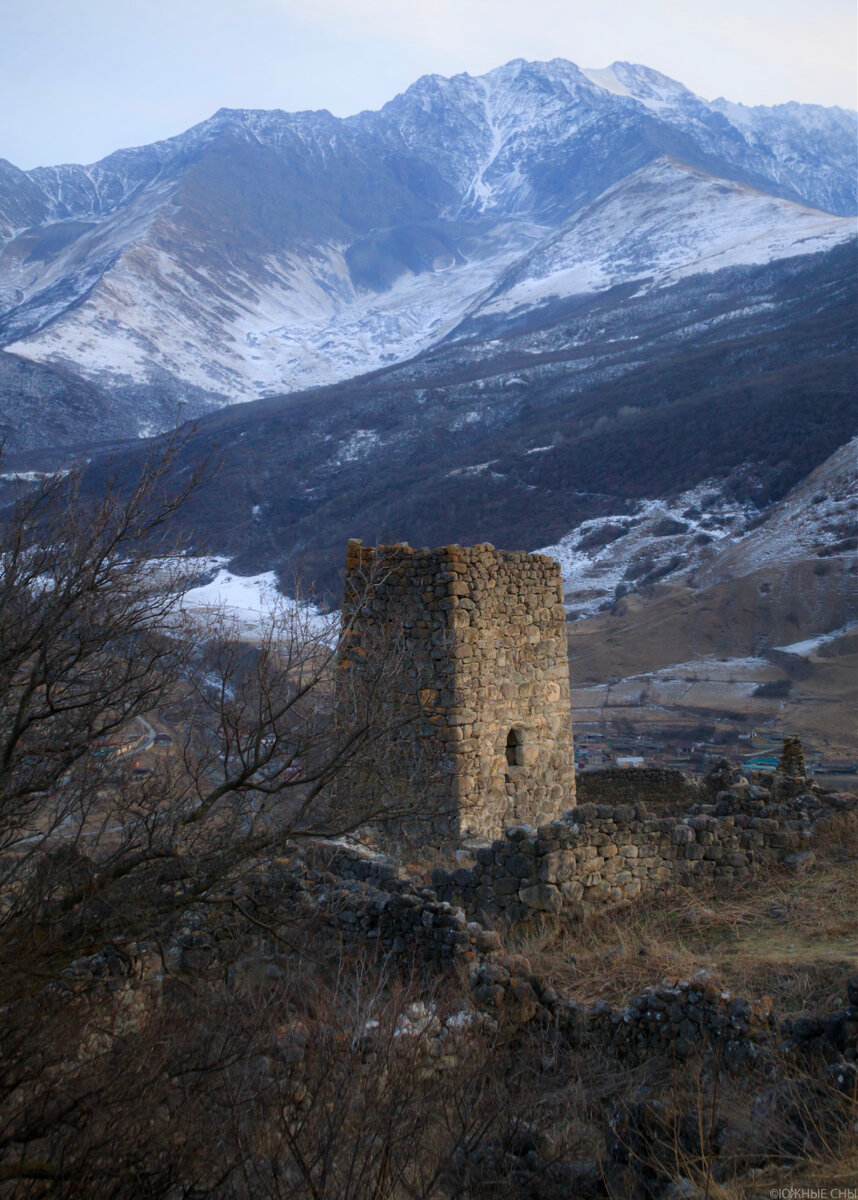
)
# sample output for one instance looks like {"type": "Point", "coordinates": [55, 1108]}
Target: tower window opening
{"type": "Point", "coordinates": [513, 745]}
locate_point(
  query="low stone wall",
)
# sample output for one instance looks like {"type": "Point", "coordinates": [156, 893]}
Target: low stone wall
{"type": "Point", "coordinates": [371, 905]}
{"type": "Point", "coordinates": [597, 855]}
{"type": "Point", "coordinates": [806, 810]}
{"type": "Point", "coordinates": [643, 785]}
{"type": "Point", "coordinates": [376, 904]}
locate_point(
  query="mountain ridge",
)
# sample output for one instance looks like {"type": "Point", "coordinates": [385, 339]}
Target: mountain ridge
{"type": "Point", "coordinates": [578, 413]}
{"type": "Point", "coordinates": [544, 307]}
{"type": "Point", "coordinates": [262, 251]}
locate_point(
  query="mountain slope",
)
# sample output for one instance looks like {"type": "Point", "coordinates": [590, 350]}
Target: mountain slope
{"type": "Point", "coordinates": [761, 635]}
{"type": "Point", "coordinates": [263, 251]}
{"type": "Point", "coordinates": [661, 224]}
{"type": "Point", "coordinates": [590, 414]}
{"type": "Point", "coordinates": [205, 325]}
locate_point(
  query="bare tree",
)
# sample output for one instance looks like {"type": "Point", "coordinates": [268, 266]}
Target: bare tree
{"type": "Point", "coordinates": [96, 856]}
{"type": "Point", "coordinates": [335, 1088]}
{"type": "Point", "coordinates": [92, 638]}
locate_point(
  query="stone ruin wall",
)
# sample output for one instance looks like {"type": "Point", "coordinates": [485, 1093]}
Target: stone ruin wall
{"type": "Point", "coordinates": [485, 632]}
{"type": "Point", "coordinates": [594, 857]}
{"type": "Point", "coordinates": [379, 907]}
{"type": "Point", "coordinates": [601, 855]}
{"type": "Point", "coordinates": [375, 904]}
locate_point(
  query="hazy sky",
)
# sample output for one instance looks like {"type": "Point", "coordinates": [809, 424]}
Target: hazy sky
{"type": "Point", "coordinates": [79, 78]}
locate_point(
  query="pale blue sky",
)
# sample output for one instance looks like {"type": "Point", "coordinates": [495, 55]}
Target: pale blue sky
{"type": "Point", "coordinates": [79, 78]}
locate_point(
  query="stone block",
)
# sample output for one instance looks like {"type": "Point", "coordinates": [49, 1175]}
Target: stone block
{"type": "Point", "coordinates": [556, 867]}
{"type": "Point", "coordinates": [544, 897]}
{"type": "Point", "coordinates": [461, 716]}
{"type": "Point", "coordinates": [519, 865]}
{"type": "Point", "coordinates": [519, 833]}
{"type": "Point", "coordinates": [463, 877]}
{"type": "Point", "coordinates": [520, 1002]}
{"type": "Point", "coordinates": [800, 862]}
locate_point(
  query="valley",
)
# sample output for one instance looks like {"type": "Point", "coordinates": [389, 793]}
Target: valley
{"type": "Point", "coordinates": [586, 312]}
{"type": "Point", "coordinates": [346, 461]}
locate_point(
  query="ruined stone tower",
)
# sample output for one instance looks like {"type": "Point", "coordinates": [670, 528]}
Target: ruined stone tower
{"type": "Point", "coordinates": [483, 643]}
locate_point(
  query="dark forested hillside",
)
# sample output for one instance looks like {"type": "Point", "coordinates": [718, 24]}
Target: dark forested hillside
{"type": "Point", "coordinates": [518, 438]}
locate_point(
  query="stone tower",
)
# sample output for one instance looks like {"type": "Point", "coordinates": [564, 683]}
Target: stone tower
{"type": "Point", "coordinates": [483, 639]}
{"type": "Point", "coordinates": [791, 774]}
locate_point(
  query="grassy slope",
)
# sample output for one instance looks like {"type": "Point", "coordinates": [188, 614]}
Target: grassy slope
{"type": "Point", "coordinates": [791, 937]}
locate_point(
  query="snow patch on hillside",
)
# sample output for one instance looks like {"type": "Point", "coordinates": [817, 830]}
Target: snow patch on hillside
{"type": "Point", "coordinates": [607, 78]}
{"type": "Point", "coordinates": [662, 540]}
{"type": "Point", "coordinates": [819, 518]}
{"type": "Point", "coordinates": [701, 534]}
{"type": "Point", "coordinates": [662, 224]}
{"type": "Point", "coordinates": [811, 645]}
{"type": "Point", "coordinates": [250, 604]}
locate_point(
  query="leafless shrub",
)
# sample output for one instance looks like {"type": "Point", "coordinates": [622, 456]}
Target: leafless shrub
{"type": "Point", "coordinates": [94, 856]}
{"type": "Point", "coordinates": [91, 638]}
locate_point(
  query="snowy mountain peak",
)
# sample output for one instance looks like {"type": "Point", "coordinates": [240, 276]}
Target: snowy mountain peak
{"type": "Point", "coordinates": [638, 82]}
{"type": "Point", "coordinates": [262, 251]}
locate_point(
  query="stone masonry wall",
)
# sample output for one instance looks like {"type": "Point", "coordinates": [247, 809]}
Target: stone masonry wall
{"type": "Point", "coordinates": [484, 631]}
{"type": "Point", "coordinates": [597, 855]}
{"type": "Point", "coordinates": [374, 904]}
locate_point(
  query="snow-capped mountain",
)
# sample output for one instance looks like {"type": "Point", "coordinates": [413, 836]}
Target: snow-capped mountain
{"type": "Point", "coordinates": [262, 252]}
{"type": "Point", "coordinates": [581, 310]}
{"type": "Point", "coordinates": [661, 224]}
{"type": "Point", "coordinates": [634, 430]}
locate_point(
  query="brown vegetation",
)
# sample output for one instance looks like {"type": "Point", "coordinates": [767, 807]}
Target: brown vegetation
{"type": "Point", "coordinates": [175, 1023]}
{"type": "Point", "coordinates": [790, 938]}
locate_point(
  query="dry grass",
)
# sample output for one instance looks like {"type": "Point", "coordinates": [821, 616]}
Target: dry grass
{"type": "Point", "coordinates": [749, 1165]}
{"type": "Point", "coordinates": [791, 937]}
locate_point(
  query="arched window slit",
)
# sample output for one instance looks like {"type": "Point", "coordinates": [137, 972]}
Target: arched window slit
{"type": "Point", "coordinates": [513, 748]}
